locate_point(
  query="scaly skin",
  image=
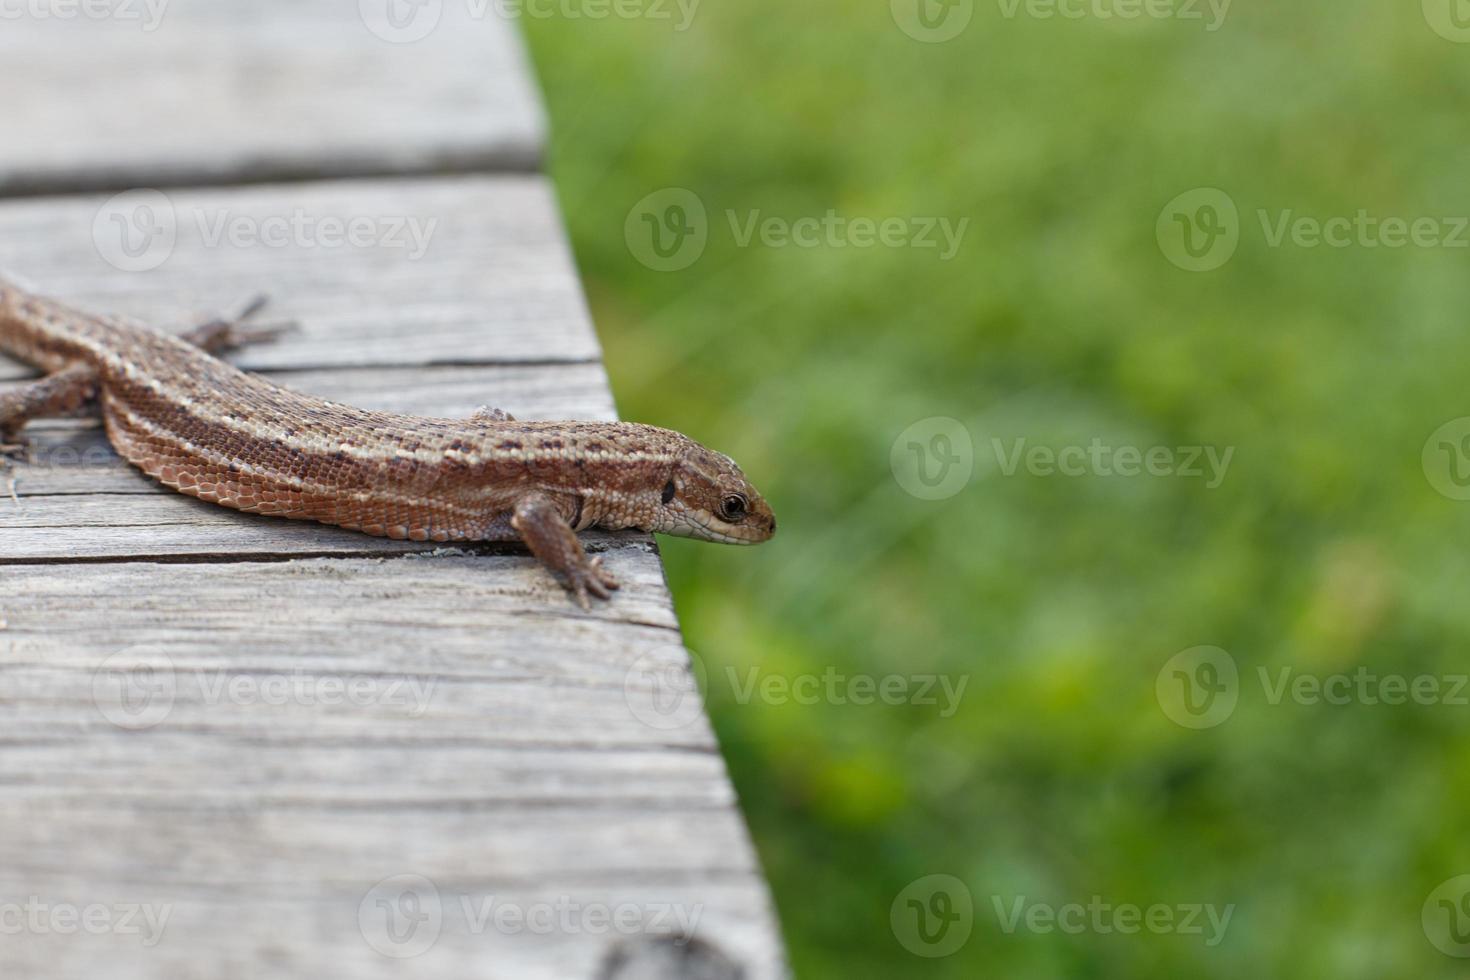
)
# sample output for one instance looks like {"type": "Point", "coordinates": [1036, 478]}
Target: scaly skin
{"type": "Point", "coordinates": [204, 428]}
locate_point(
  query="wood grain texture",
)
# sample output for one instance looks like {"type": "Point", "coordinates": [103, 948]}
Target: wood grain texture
{"type": "Point", "coordinates": [250, 748]}
{"type": "Point", "coordinates": [172, 92]}
{"type": "Point", "coordinates": [495, 282]}
{"type": "Point", "coordinates": [248, 725]}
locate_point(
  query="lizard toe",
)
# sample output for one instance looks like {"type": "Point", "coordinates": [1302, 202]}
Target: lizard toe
{"type": "Point", "coordinates": [604, 577]}
{"type": "Point", "coordinates": [14, 447]}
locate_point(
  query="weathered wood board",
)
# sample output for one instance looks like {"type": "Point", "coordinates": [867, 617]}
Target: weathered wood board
{"type": "Point", "coordinates": [155, 93]}
{"type": "Point", "coordinates": [250, 748]}
{"type": "Point", "coordinates": [486, 279]}
{"type": "Point", "coordinates": [287, 750]}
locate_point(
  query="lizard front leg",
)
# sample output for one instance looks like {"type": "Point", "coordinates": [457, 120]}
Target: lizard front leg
{"type": "Point", "coordinates": [550, 537]}
{"type": "Point", "coordinates": [64, 393]}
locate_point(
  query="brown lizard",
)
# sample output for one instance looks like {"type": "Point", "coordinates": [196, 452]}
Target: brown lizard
{"type": "Point", "coordinates": [204, 428]}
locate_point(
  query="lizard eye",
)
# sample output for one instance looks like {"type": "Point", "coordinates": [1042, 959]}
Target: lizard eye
{"type": "Point", "coordinates": [732, 508]}
{"type": "Point", "coordinates": [669, 491]}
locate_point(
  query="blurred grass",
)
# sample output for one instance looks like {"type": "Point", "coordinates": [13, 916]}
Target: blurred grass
{"type": "Point", "coordinates": [1060, 320]}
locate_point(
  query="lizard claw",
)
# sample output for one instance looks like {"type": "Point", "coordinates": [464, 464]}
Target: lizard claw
{"type": "Point", "coordinates": [237, 335]}
{"type": "Point", "coordinates": [487, 414]}
{"type": "Point", "coordinates": [270, 333]}
{"type": "Point", "coordinates": [591, 579]}
{"type": "Point", "coordinates": [14, 447]}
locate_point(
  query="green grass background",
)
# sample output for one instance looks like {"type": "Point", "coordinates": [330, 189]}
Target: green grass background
{"type": "Point", "coordinates": [1060, 320]}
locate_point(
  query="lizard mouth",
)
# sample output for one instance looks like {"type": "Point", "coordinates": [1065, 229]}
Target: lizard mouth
{"type": "Point", "coordinates": [706, 528]}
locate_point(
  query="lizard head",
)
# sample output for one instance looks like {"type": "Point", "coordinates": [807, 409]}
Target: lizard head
{"type": "Point", "coordinates": [708, 497]}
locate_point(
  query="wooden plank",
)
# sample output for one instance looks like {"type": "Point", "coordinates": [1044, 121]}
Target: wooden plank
{"type": "Point", "coordinates": [494, 281]}
{"type": "Point", "coordinates": [185, 743]}
{"type": "Point", "coordinates": [172, 92]}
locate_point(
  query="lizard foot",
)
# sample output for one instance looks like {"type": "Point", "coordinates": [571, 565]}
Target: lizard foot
{"type": "Point", "coordinates": [231, 333]}
{"type": "Point", "coordinates": [591, 579]}
{"type": "Point", "coordinates": [487, 414]}
{"type": "Point", "coordinates": [266, 333]}
{"type": "Point", "coordinates": [13, 449]}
